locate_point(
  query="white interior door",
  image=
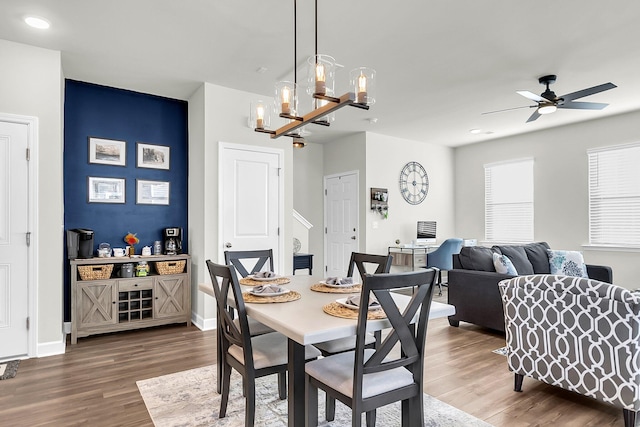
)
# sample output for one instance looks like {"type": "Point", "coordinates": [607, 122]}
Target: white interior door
{"type": "Point", "coordinates": [14, 209]}
{"type": "Point", "coordinates": [341, 222]}
{"type": "Point", "coordinates": [251, 195]}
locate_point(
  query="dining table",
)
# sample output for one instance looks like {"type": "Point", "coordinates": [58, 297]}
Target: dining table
{"type": "Point", "coordinates": [304, 322]}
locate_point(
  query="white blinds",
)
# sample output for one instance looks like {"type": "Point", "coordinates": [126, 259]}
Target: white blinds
{"type": "Point", "coordinates": [508, 201]}
{"type": "Point", "coordinates": [614, 195]}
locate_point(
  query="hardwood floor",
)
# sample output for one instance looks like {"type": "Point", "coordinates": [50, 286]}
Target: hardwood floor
{"type": "Point", "coordinates": [94, 383]}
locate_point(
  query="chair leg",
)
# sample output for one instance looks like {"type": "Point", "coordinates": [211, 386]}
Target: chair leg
{"type": "Point", "coordinates": [356, 419]}
{"type": "Point", "coordinates": [371, 418]}
{"type": "Point", "coordinates": [250, 410]}
{"type": "Point", "coordinates": [312, 404]}
{"type": "Point", "coordinates": [518, 382]}
{"type": "Point", "coordinates": [226, 381]}
{"type": "Point", "coordinates": [413, 412]}
{"type": "Point", "coordinates": [629, 418]}
{"type": "Point", "coordinates": [439, 283]}
{"type": "Point", "coordinates": [282, 385]}
{"type": "Point", "coordinates": [330, 408]}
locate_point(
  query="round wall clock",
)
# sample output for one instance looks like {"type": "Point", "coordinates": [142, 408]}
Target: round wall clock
{"type": "Point", "coordinates": [414, 183]}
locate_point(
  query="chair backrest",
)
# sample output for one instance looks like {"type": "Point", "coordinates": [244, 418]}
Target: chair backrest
{"type": "Point", "coordinates": [361, 261]}
{"type": "Point", "coordinates": [409, 333]}
{"type": "Point", "coordinates": [239, 259]}
{"type": "Point", "coordinates": [224, 279]}
{"type": "Point", "coordinates": [590, 326]}
{"type": "Point", "coordinates": [443, 256]}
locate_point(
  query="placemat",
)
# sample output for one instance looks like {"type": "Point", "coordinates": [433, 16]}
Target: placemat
{"type": "Point", "coordinates": [251, 282]}
{"type": "Point", "coordinates": [288, 297]}
{"type": "Point", "coordinates": [321, 287]}
{"type": "Point", "coordinates": [335, 309]}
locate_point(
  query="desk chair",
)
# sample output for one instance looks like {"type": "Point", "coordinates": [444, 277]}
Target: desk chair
{"type": "Point", "coordinates": [252, 356]}
{"type": "Point", "coordinates": [442, 258]}
{"type": "Point", "coordinates": [366, 379]}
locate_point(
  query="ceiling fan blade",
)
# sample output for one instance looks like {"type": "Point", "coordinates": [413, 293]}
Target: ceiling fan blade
{"type": "Point", "coordinates": [532, 96]}
{"type": "Point", "coordinates": [509, 109]}
{"type": "Point", "coordinates": [583, 105]}
{"type": "Point", "coordinates": [586, 92]}
{"type": "Point", "coordinates": [534, 116]}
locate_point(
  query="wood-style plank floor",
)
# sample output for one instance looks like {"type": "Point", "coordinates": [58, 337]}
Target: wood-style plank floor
{"type": "Point", "coordinates": [94, 383]}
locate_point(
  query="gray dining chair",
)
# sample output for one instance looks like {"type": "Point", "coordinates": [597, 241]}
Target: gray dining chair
{"type": "Point", "coordinates": [252, 357]}
{"type": "Point", "coordinates": [365, 379]}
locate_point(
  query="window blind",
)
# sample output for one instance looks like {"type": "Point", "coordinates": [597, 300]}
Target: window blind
{"type": "Point", "coordinates": [614, 195]}
{"type": "Point", "coordinates": [508, 201]}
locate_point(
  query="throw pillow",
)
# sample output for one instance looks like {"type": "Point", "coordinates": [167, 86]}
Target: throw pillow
{"type": "Point", "coordinates": [567, 263]}
{"type": "Point", "coordinates": [537, 254]}
{"type": "Point", "coordinates": [503, 264]}
{"type": "Point", "coordinates": [476, 258]}
{"type": "Point", "coordinates": [518, 257]}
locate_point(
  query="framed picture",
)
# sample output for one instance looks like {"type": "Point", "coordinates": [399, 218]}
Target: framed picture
{"type": "Point", "coordinates": [107, 151]}
{"type": "Point", "coordinates": [153, 156]}
{"type": "Point", "coordinates": [152, 192]}
{"type": "Point", "coordinates": [105, 190]}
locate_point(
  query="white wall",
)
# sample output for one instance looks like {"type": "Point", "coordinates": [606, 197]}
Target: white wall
{"type": "Point", "coordinates": [560, 185]}
{"type": "Point", "coordinates": [218, 114]}
{"type": "Point", "coordinates": [385, 158]}
{"type": "Point", "coordinates": [31, 84]}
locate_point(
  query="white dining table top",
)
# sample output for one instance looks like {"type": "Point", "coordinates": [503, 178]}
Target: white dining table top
{"type": "Point", "coordinates": [305, 322]}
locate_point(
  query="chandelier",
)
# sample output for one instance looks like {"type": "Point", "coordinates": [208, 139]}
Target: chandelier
{"type": "Point", "coordinates": [321, 79]}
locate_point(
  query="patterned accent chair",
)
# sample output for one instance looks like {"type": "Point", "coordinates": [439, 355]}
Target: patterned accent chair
{"type": "Point", "coordinates": [576, 333]}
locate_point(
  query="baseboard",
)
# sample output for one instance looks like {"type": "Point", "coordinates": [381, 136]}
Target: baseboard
{"type": "Point", "coordinates": [52, 348]}
{"type": "Point", "coordinates": [66, 327]}
{"type": "Point", "coordinates": [202, 323]}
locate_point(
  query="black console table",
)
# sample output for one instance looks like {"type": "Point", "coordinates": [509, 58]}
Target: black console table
{"type": "Point", "coordinates": [302, 261]}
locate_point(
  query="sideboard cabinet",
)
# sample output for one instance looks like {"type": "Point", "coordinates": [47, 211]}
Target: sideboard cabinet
{"type": "Point", "coordinates": [102, 301]}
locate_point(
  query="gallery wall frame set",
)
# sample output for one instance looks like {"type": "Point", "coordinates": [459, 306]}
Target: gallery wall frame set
{"type": "Point", "coordinates": [152, 192]}
{"type": "Point", "coordinates": [105, 190]}
{"type": "Point", "coordinates": [152, 156]}
{"type": "Point", "coordinates": [104, 151]}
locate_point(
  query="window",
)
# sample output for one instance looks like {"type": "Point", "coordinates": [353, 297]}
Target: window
{"type": "Point", "coordinates": [614, 195]}
{"type": "Point", "coordinates": [508, 201]}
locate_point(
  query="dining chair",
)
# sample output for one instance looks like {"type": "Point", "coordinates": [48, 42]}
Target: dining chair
{"type": "Point", "coordinates": [252, 357]}
{"type": "Point", "coordinates": [365, 379]}
{"type": "Point", "coordinates": [442, 258]}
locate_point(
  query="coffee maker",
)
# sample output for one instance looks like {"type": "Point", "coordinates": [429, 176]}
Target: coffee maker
{"type": "Point", "coordinates": [79, 243]}
{"type": "Point", "coordinates": [172, 241]}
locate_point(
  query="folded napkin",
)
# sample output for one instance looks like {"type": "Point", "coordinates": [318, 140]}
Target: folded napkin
{"type": "Point", "coordinates": [264, 274]}
{"type": "Point", "coordinates": [354, 300]}
{"type": "Point", "coordinates": [339, 281]}
{"type": "Point", "coordinates": [266, 289]}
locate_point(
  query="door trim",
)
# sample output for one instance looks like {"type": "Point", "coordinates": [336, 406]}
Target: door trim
{"type": "Point", "coordinates": [324, 183]}
{"type": "Point", "coordinates": [254, 148]}
{"type": "Point", "coordinates": [32, 224]}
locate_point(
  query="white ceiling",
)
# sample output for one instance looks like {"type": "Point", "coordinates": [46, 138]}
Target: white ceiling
{"type": "Point", "coordinates": [440, 64]}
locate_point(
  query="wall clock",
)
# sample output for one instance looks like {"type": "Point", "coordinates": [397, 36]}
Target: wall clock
{"type": "Point", "coordinates": [414, 183]}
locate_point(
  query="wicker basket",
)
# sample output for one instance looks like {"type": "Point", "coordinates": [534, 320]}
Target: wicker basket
{"type": "Point", "coordinates": [95, 272]}
{"type": "Point", "coordinates": [170, 267]}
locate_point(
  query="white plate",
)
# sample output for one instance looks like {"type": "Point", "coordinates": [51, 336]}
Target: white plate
{"type": "Point", "coordinates": [343, 302]}
{"type": "Point", "coordinates": [270, 294]}
{"type": "Point", "coordinates": [263, 279]}
{"type": "Point", "coordinates": [324, 282]}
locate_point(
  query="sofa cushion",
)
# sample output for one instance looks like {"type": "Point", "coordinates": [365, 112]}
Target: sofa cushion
{"type": "Point", "coordinates": [567, 263]}
{"type": "Point", "coordinates": [476, 258]}
{"type": "Point", "coordinates": [537, 254]}
{"type": "Point", "coordinates": [518, 257]}
{"type": "Point", "coordinates": [503, 264]}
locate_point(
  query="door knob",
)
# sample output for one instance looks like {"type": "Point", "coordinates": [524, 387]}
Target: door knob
{"type": "Point", "coordinates": [227, 245]}
{"type": "Point", "coordinates": [353, 237]}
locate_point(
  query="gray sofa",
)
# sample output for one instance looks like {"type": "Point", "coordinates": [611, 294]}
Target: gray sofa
{"type": "Point", "coordinates": [473, 281]}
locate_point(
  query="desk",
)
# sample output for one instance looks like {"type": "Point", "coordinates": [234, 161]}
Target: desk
{"type": "Point", "coordinates": [417, 255]}
{"type": "Point", "coordinates": [304, 322]}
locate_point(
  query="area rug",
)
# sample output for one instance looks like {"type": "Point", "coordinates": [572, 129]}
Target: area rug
{"type": "Point", "coordinates": [9, 370]}
{"type": "Point", "coordinates": [189, 399]}
{"type": "Point", "coordinates": [502, 351]}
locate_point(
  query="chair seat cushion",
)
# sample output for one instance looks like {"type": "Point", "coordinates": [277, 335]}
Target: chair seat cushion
{"type": "Point", "coordinates": [337, 372]}
{"type": "Point", "coordinates": [343, 344]}
{"type": "Point", "coordinates": [255, 327]}
{"type": "Point", "coordinates": [270, 350]}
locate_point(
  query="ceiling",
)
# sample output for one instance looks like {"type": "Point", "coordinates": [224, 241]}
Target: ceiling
{"type": "Point", "coordinates": [440, 64]}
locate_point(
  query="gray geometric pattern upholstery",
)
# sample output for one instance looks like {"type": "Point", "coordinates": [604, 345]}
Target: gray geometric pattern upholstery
{"type": "Point", "coordinates": [576, 333]}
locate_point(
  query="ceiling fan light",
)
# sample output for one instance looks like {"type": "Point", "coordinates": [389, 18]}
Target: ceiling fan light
{"type": "Point", "coordinates": [299, 142]}
{"type": "Point", "coordinates": [547, 109]}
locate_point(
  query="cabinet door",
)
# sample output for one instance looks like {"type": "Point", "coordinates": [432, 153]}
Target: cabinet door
{"type": "Point", "coordinates": [170, 296]}
{"type": "Point", "coordinates": [96, 303]}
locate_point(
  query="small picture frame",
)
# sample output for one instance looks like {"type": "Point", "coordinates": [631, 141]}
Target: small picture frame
{"type": "Point", "coordinates": [152, 192]}
{"type": "Point", "coordinates": [107, 151]}
{"type": "Point", "coordinates": [105, 190]}
{"type": "Point", "coordinates": [153, 156]}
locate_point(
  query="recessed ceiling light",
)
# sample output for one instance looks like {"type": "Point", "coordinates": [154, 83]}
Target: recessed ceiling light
{"type": "Point", "coordinates": [36, 22]}
{"type": "Point", "coordinates": [475, 131]}
{"type": "Point", "coordinates": [373, 120]}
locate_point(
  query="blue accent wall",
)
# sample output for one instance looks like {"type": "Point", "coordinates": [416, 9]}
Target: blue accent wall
{"type": "Point", "coordinates": [97, 111]}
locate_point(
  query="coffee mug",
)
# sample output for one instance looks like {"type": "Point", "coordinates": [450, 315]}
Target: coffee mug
{"type": "Point", "coordinates": [146, 251]}
{"type": "Point", "coordinates": [118, 252]}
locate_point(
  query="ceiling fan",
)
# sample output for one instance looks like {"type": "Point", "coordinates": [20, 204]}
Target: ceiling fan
{"type": "Point", "coordinates": [548, 102]}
